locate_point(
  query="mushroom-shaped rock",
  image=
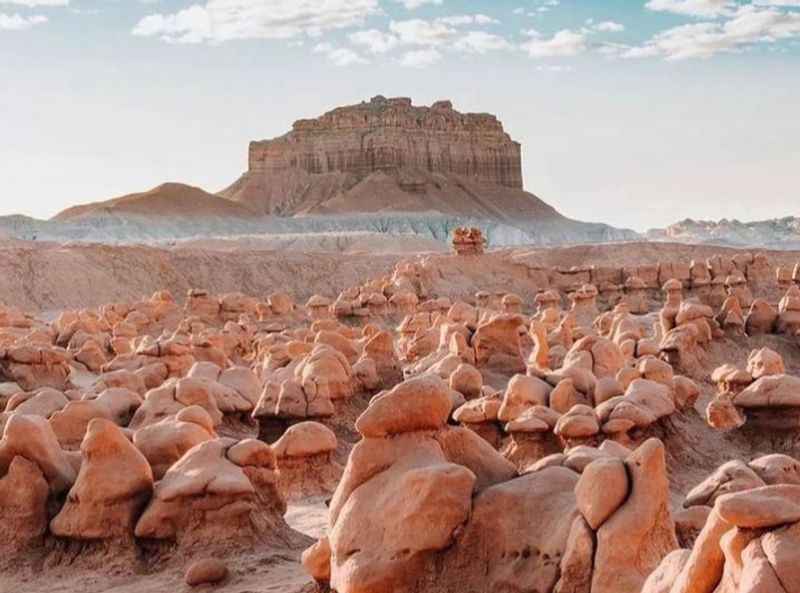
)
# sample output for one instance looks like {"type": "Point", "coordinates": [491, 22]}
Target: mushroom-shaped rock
{"type": "Point", "coordinates": [399, 502]}
{"type": "Point", "coordinates": [577, 424]}
{"type": "Point", "coordinates": [538, 419]}
{"type": "Point", "coordinates": [305, 439]}
{"type": "Point", "coordinates": [173, 396]}
{"type": "Point", "coordinates": [325, 373]}
{"type": "Point", "coordinates": [522, 393]}
{"type": "Point", "coordinates": [531, 436]}
{"type": "Point", "coordinates": [380, 350]}
{"type": "Point", "coordinates": [234, 390]}
{"type": "Point", "coordinates": [684, 392]}
{"type": "Point", "coordinates": [114, 483]}
{"type": "Point", "coordinates": [303, 456]}
{"type": "Point", "coordinates": [480, 416]}
{"type": "Point", "coordinates": [730, 379]}
{"type": "Point", "coordinates": [421, 403]}
{"type": "Point", "coordinates": [207, 498]}
{"type": "Point", "coordinates": [584, 305]}
{"type": "Point", "coordinates": [318, 306]}
{"type": "Point", "coordinates": [653, 369]}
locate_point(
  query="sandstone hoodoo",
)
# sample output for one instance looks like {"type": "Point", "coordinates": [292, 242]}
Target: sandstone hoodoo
{"type": "Point", "coordinates": [446, 424]}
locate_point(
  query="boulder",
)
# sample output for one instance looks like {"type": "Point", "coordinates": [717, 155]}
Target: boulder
{"type": "Point", "coordinates": [422, 403]}
{"type": "Point", "coordinates": [32, 437]}
{"type": "Point", "coordinates": [632, 542]}
{"type": "Point", "coordinates": [208, 571]}
{"type": "Point", "coordinates": [601, 490]}
{"type": "Point", "coordinates": [114, 483]}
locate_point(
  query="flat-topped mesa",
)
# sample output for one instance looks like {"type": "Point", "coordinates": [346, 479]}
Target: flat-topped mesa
{"type": "Point", "coordinates": [388, 134]}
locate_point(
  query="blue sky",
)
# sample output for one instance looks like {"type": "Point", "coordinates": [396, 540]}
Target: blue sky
{"type": "Point", "coordinates": [632, 112]}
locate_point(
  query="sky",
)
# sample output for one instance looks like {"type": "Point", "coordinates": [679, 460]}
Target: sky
{"type": "Point", "coordinates": [637, 113]}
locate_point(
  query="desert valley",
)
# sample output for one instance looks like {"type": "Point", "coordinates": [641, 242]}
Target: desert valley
{"type": "Point", "coordinates": [319, 380]}
{"type": "Point", "coordinates": [378, 361]}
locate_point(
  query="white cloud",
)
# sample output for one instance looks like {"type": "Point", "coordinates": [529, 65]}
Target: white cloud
{"type": "Point", "coordinates": [699, 8]}
{"type": "Point", "coordinates": [37, 3]}
{"type": "Point", "coordinates": [609, 27]}
{"type": "Point", "coordinates": [342, 56]}
{"type": "Point", "coordinates": [468, 19]}
{"type": "Point", "coordinates": [749, 26]}
{"type": "Point", "coordinates": [777, 3]}
{"type": "Point", "coordinates": [613, 49]}
{"type": "Point", "coordinates": [420, 58]}
{"type": "Point", "coordinates": [414, 4]}
{"type": "Point", "coordinates": [218, 21]}
{"type": "Point", "coordinates": [421, 32]}
{"type": "Point", "coordinates": [481, 42]}
{"type": "Point", "coordinates": [443, 33]}
{"type": "Point", "coordinates": [564, 43]}
{"type": "Point", "coordinates": [339, 56]}
{"type": "Point", "coordinates": [377, 42]}
{"type": "Point", "coordinates": [15, 22]}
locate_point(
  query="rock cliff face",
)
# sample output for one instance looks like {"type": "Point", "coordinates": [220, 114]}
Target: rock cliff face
{"type": "Point", "coordinates": [389, 134]}
{"type": "Point", "coordinates": [380, 143]}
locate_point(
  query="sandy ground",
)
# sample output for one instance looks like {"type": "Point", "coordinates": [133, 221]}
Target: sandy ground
{"type": "Point", "coordinates": [41, 277]}
{"type": "Point", "coordinates": [264, 570]}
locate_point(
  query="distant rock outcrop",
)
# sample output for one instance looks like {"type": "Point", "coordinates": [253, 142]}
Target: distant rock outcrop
{"type": "Point", "coordinates": [776, 233]}
{"type": "Point", "coordinates": [390, 161]}
{"type": "Point", "coordinates": [385, 142]}
{"type": "Point", "coordinates": [384, 166]}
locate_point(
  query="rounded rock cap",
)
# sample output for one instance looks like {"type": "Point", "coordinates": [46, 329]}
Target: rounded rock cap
{"type": "Point", "coordinates": [305, 439]}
